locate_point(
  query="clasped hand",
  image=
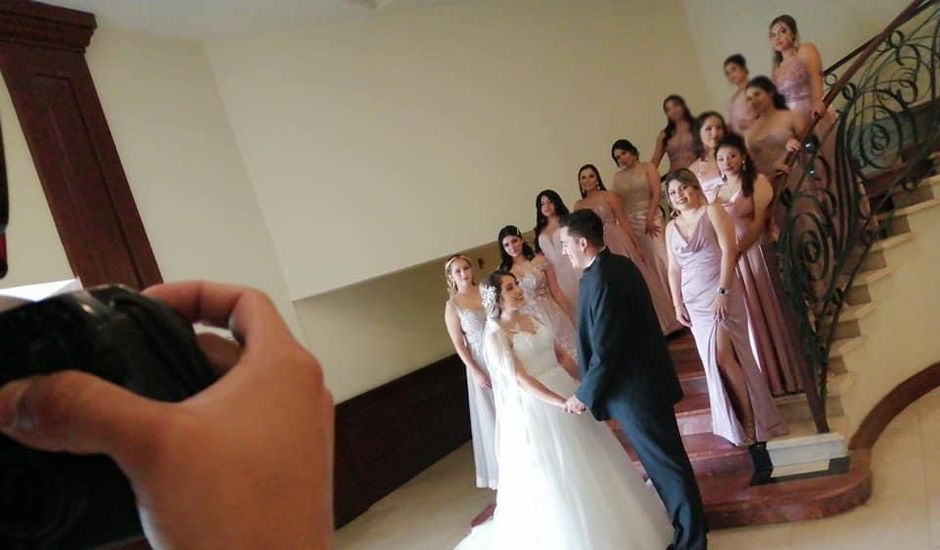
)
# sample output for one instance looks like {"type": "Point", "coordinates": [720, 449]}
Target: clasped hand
{"type": "Point", "coordinates": [574, 405]}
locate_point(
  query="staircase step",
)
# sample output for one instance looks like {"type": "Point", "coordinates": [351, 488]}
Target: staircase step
{"type": "Point", "coordinates": [693, 383]}
{"type": "Point", "coordinates": [709, 454]}
{"type": "Point", "coordinates": [731, 501]}
{"type": "Point", "coordinates": [854, 313]}
{"type": "Point", "coordinates": [840, 348]}
{"type": "Point", "coordinates": [891, 242]}
{"type": "Point", "coordinates": [794, 408]}
{"type": "Point", "coordinates": [858, 293]}
{"type": "Point", "coordinates": [694, 415]}
{"type": "Point", "coordinates": [869, 277]}
{"type": "Point", "coordinates": [908, 210]}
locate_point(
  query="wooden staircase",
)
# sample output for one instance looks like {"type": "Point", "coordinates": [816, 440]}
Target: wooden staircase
{"type": "Point", "coordinates": [724, 472]}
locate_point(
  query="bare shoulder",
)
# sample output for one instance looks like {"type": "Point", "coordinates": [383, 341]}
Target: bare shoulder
{"type": "Point", "coordinates": [808, 52]}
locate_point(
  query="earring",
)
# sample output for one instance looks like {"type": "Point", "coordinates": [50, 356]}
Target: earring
{"type": "Point", "coordinates": [743, 165]}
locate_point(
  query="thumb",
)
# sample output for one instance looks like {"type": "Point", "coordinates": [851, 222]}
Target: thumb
{"type": "Point", "coordinates": [76, 412]}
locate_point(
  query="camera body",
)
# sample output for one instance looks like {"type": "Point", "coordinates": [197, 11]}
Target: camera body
{"type": "Point", "coordinates": [58, 500]}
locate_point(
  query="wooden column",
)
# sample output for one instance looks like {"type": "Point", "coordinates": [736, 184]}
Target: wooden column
{"type": "Point", "coordinates": [42, 59]}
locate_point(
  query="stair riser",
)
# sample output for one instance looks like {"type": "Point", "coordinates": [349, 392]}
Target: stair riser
{"type": "Point", "coordinates": [694, 386]}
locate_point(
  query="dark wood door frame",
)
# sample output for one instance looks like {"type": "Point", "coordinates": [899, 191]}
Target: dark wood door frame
{"type": "Point", "coordinates": [42, 59]}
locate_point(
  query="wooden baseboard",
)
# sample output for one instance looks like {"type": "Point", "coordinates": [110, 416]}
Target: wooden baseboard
{"type": "Point", "coordinates": [892, 404]}
{"type": "Point", "coordinates": [388, 435]}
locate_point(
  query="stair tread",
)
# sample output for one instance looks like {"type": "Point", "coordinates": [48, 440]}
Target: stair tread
{"type": "Point", "coordinates": [854, 313]}
{"type": "Point", "coordinates": [908, 210]}
{"type": "Point", "coordinates": [841, 347]}
{"type": "Point", "coordinates": [871, 275]}
{"type": "Point", "coordinates": [693, 405]}
{"type": "Point", "coordinates": [891, 242]}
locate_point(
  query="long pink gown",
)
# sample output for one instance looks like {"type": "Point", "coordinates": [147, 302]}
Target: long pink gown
{"type": "Point", "coordinates": [768, 147]}
{"type": "Point", "coordinates": [619, 243]}
{"type": "Point", "coordinates": [569, 279]}
{"type": "Point", "coordinates": [482, 407]}
{"type": "Point", "coordinates": [679, 149]}
{"type": "Point", "coordinates": [541, 305]}
{"type": "Point", "coordinates": [740, 115]}
{"type": "Point", "coordinates": [708, 175]}
{"type": "Point", "coordinates": [633, 188]}
{"type": "Point", "coordinates": [776, 351]}
{"type": "Point", "coordinates": [699, 259]}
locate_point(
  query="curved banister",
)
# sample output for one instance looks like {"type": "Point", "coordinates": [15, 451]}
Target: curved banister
{"type": "Point", "coordinates": [825, 220]}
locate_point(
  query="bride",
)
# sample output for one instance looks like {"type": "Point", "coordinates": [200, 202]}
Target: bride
{"type": "Point", "coordinates": [565, 481]}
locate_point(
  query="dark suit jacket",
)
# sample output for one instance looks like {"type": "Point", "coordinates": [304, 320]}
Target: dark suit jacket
{"type": "Point", "coordinates": [622, 351]}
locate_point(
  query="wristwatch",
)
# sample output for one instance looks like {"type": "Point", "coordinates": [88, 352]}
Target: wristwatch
{"type": "Point", "coordinates": [723, 291]}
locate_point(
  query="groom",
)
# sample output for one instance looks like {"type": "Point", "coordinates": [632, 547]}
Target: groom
{"type": "Point", "coordinates": [626, 371]}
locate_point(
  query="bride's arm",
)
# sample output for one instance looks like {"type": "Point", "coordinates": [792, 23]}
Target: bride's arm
{"type": "Point", "coordinates": [567, 361]}
{"type": "Point", "coordinates": [528, 383]}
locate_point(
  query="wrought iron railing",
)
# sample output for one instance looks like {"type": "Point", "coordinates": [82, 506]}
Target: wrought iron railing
{"type": "Point", "coordinates": [838, 197]}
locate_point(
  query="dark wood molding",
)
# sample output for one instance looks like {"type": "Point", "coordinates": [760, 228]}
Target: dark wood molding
{"type": "Point", "coordinates": [388, 435]}
{"type": "Point", "coordinates": [43, 65]}
{"type": "Point", "coordinates": [45, 26]}
{"type": "Point", "coordinates": [892, 404]}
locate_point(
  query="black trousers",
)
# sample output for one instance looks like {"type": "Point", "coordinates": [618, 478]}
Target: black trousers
{"type": "Point", "coordinates": [654, 435]}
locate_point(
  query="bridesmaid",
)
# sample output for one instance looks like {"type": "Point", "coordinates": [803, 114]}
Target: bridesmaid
{"type": "Point", "coordinates": [675, 140]}
{"type": "Point", "coordinates": [621, 239]}
{"type": "Point", "coordinates": [740, 114]}
{"type": "Point", "coordinates": [637, 184]}
{"type": "Point", "coordinates": [776, 130]}
{"type": "Point", "coordinates": [544, 298]}
{"type": "Point", "coordinates": [464, 317]}
{"type": "Point", "coordinates": [549, 208]}
{"type": "Point", "coordinates": [798, 71]}
{"type": "Point", "coordinates": [709, 130]}
{"type": "Point", "coordinates": [746, 196]}
{"type": "Point", "coordinates": [708, 298]}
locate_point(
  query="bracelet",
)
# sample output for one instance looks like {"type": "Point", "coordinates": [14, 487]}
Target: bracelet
{"type": "Point", "coordinates": [723, 291]}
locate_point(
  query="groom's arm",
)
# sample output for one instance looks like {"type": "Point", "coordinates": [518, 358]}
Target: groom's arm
{"type": "Point", "coordinates": [606, 345]}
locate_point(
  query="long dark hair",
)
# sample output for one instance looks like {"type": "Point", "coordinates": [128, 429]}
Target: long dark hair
{"type": "Point", "coordinates": [505, 263]}
{"type": "Point", "coordinates": [670, 129]}
{"type": "Point", "coordinates": [697, 146]}
{"type": "Point", "coordinates": [790, 22]}
{"type": "Point", "coordinates": [600, 182]}
{"type": "Point", "coordinates": [540, 220]}
{"type": "Point", "coordinates": [748, 169]}
{"type": "Point", "coordinates": [768, 86]}
{"type": "Point", "coordinates": [623, 145]}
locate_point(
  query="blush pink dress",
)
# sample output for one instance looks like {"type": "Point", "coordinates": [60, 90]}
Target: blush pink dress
{"type": "Point", "coordinates": [777, 352]}
{"type": "Point", "coordinates": [679, 149]}
{"type": "Point", "coordinates": [616, 239]}
{"type": "Point", "coordinates": [699, 259]}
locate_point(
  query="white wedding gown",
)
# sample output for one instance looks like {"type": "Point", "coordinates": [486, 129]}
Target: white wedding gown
{"type": "Point", "coordinates": [565, 483]}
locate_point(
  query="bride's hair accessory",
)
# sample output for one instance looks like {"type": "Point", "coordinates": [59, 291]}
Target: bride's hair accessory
{"type": "Point", "coordinates": [490, 291]}
{"type": "Point", "coordinates": [488, 295]}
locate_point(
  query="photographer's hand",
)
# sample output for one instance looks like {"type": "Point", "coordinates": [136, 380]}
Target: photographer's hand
{"type": "Point", "coordinates": [247, 463]}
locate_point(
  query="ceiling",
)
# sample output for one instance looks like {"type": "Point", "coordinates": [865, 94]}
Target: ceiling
{"type": "Point", "coordinates": [206, 19]}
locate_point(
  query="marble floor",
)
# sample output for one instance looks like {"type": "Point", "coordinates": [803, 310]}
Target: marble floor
{"type": "Point", "coordinates": [432, 511]}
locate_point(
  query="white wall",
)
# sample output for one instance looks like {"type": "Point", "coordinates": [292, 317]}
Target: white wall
{"type": "Point", "coordinates": [899, 336]}
{"type": "Point", "coordinates": [720, 29]}
{"type": "Point", "coordinates": [374, 332]}
{"type": "Point", "coordinates": [376, 144]}
{"type": "Point", "coordinates": [34, 251]}
{"type": "Point", "coordinates": [184, 168]}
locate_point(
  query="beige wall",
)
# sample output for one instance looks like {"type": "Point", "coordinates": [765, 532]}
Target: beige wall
{"type": "Point", "coordinates": [740, 26]}
{"type": "Point", "coordinates": [374, 332]}
{"type": "Point", "coordinates": [184, 169]}
{"type": "Point", "coordinates": [376, 144]}
{"type": "Point", "coordinates": [34, 252]}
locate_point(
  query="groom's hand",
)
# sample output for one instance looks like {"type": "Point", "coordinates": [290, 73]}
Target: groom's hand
{"type": "Point", "coordinates": [574, 405]}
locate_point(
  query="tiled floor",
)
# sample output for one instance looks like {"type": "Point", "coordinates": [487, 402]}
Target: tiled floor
{"type": "Point", "coordinates": [432, 511]}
